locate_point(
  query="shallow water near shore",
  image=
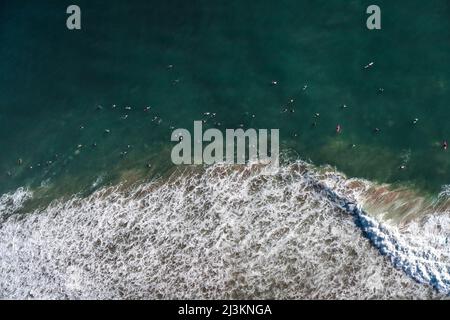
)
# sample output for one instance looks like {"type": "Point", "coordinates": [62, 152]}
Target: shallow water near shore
{"type": "Point", "coordinates": [85, 124]}
{"type": "Point", "coordinates": [253, 232]}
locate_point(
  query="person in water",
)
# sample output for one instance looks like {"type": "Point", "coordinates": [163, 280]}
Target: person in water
{"type": "Point", "coordinates": [445, 145]}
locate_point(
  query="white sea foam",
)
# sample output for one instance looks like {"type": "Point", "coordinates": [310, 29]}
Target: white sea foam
{"type": "Point", "coordinates": [11, 202]}
{"type": "Point", "coordinates": [254, 232]}
{"type": "Point", "coordinates": [420, 247]}
{"type": "Point", "coordinates": [445, 192]}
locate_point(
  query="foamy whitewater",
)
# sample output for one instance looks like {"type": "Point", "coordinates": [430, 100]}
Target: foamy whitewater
{"type": "Point", "coordinates": [222, 232]}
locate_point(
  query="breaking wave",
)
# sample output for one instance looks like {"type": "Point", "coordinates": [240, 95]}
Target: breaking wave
{"type": "Point", "coordinates": [252, 232]}
{"type": "Point", "coordinates": [11, 202]}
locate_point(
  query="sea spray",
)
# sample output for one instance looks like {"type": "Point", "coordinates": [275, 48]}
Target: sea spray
{"type": "Point", "coordinates": [223, 232]}
{"type": "Point", "coordinates": [11, 202]}
{"type": "Point", "coordinates": [411, 250]}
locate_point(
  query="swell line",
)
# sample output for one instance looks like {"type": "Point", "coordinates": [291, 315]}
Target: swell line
{"type": "Point", "coordinates": [421, 264]}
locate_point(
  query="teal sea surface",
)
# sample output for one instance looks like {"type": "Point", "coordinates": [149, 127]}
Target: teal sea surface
{"type": "Point", "coordinates": [85, 110]}
{"type": "Point", "coordinates": [184, 59]}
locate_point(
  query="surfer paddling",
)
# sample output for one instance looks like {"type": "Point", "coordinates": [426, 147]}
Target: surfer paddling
{"type": "Point", "coordinates": [370, 65]}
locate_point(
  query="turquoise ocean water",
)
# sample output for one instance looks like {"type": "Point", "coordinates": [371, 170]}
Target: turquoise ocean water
{"type": "Point", "coordinates": [224, 56]}
{"type": "Point", "coordinates": [73, 104]}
